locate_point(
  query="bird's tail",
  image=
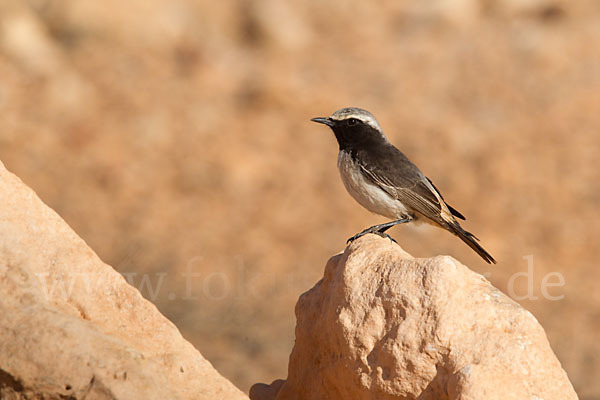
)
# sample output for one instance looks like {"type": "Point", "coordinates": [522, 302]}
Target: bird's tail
{"type": "Point", "coordinates": [471, 241]}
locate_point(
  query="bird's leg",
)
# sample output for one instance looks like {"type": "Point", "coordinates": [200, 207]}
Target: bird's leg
{"type": "Point", "coordinates": [388, 225]}
{"type": "Point", "coordinates": [380, 229]}
{"type": "Point", "coordinates": [376, 229]}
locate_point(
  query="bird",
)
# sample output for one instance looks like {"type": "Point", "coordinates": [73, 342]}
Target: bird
{"type": "Point", "coordinates": [384, 181]}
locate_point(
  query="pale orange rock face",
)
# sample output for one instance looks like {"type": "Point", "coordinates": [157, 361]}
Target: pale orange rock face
{"type": "Point", "coordinates": [96, 339]}
{"type": "Point", "coordinates": [384, 325]}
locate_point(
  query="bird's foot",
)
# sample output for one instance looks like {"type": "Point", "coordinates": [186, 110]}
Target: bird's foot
{"type": "Point", "coordinates": [385, 235]}
{"type": "Point", "coordinates": [381, 228]}
{"type": "Point", "coordinates": [373, 229]}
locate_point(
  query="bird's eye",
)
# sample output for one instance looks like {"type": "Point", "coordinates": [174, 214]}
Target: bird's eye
{"type": "Point", "coordinates": [352, 121]}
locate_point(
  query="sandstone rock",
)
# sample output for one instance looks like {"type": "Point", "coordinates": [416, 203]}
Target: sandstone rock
{"type": "Point", "coordinates": [384, 325]}
{"type": "Point", "coordinates": [263, 391]}
{"type": "Point", "coordinates": [70, 325]}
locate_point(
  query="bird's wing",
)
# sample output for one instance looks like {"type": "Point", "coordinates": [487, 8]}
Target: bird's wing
{"type": "Point", "coordinates": [453, 210]}
{"type": "Point", "coordinates": [402, 180]}
{"type": "Point", "coordinates": [395, 174]}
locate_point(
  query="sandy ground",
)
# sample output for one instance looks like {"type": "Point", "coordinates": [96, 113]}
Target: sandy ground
{"type": "Point", "coordinates": [174, 137]}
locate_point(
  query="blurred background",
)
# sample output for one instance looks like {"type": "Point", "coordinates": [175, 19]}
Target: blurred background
{"type": "Point", "coordinates": [174, 137]}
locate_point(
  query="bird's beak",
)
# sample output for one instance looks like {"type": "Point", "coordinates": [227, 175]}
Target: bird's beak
{"type": "Point", "coordinates": [323, 120]}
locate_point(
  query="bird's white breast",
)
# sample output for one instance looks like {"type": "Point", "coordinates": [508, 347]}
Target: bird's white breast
{"type": "Point", "coordinates": [365, 192]}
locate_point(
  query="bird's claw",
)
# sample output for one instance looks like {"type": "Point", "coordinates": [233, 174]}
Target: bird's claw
{"type": "Point", "coordinates": [353, 238]}
{"type": "Point", "coordinates": [385, 235]}
{"type": "Point", "coordinates": [361, 234]}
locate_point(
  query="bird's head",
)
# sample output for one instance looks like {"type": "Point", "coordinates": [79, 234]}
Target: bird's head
{"type": "Point", "coordinates": [353, 127]}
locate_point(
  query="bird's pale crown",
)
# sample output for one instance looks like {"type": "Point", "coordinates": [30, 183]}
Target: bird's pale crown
{"type": "Point", "coordinates": [358, 113]}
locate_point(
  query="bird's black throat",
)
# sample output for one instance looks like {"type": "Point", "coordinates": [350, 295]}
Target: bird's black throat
{"type": "Point", "coordinates": [352, 138]}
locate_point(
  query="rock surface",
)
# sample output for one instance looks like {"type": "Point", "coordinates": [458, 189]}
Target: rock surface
{"type": "Point", "coordinates": [70, 325]}
{"type": "Point", "coordinates": [384, 325]}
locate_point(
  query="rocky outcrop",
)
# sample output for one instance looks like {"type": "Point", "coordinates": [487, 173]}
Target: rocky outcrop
{"type": "Point", "coordinates": [384, 325]}
{"type": "Point", "coordinates": [72, 328]}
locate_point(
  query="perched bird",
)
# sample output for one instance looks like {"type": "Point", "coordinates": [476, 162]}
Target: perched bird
{"type": "Point", "coordinates": [381, 179]}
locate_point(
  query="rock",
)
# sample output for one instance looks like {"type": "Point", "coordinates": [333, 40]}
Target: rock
{"type": "Point", "coordinates": [384, 325]}
{"type": "Point", "coordinates": [266, 392]}
{"type": "Point", "coordinates": [71, 327]}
